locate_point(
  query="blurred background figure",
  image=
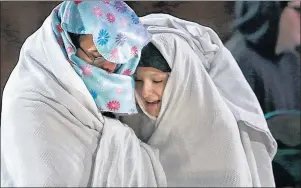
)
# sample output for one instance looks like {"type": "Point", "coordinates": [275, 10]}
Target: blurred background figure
{"type": "Point", "coordinates": [264, 44]}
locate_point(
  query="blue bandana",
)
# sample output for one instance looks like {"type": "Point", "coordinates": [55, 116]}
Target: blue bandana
{"type": "Point", "coordinates": [119, 37]}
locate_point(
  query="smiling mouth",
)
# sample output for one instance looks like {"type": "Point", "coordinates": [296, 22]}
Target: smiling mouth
{"type": "Point", "coordinates": [153, 102]}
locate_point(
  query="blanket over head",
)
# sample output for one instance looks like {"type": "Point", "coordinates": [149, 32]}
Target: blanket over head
{"type": "Point", "coordinates": [210, 130]}
{"type": "Point", "coordinates": [53, 134]}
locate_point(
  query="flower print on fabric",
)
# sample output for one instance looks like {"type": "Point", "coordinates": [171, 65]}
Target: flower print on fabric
{"type": "Point", "coordinates": [94, 94]}
{"type": "Point", "coordinates": [106, 1]}
{"type": "Point", "coordinates": [87, 70]}
{"type": "Point", "coordinates": [120, 6]}
{"type": "Point", "coordinates": [69, 49]}
{"type": "Point", "coordinates": [120, 39]}
{"type": "Point", "coordinates": [135, 19]}
{"type": "Point", "coordinates": [127, 72]}
{"type": "Point", "coordinates": [59, 28]}
{"type": "Point", "coordinates": [77, 1]}
{"type": "Point", "coordinates": [123, 22]}
{"type": "Point", "coordinates": [118, 36]}
{"type": "Point", "coordinates": [60, 41]}
{"type": "Point", "coordinates": [111, 17]}
{"type": "Point", "coordinates": [103, 37]}
{"type": "Point", "coordinates": [113, 105]}
{"type": "Point", "coordinates": [114, 53]}
{"type": "Point", "coordinates": [119, 90]}
{"type": "Point", "coordinates": [97, 11]}
{"type": "Point", "coordinates": [134, 51]}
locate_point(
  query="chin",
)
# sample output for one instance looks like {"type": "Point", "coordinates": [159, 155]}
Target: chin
{"type": "Point", "coordinates": [153, 114]}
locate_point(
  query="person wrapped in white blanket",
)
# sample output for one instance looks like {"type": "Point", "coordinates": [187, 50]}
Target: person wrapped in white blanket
{"type": "Point", "coordinates": [72, 71]}
{"type": "Point", "coordinates": [198, 110]}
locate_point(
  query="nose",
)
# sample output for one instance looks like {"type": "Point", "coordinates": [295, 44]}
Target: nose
{"type": "Point", "coordinates": [108, 66]}
{"type": "Point", "coordinates": [146, 91]}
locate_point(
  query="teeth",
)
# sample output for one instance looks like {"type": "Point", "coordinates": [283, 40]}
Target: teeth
{"type": "Point", "coordinates": [151, 101]}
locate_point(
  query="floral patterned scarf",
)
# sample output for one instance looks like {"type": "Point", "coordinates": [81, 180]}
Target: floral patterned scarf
{"type": "Point", "coordinates": [119, 37]}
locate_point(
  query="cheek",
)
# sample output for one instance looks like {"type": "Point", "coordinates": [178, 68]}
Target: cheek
{"type": "Point", "coordinates": [292, 21]}
{"type": "Point", "coordinates": [296, 27]}
{"type": "Point", "coordinates": [160, 90]}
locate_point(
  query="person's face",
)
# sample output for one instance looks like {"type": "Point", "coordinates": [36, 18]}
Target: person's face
{"type": "Point", "coordinates": [89, 53]}
{"type": "Point", "coordinates": [290, 24]}
{"type": "Point", "coordinates": [150, 83]}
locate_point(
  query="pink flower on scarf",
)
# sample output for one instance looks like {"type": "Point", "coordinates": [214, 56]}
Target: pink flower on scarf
{"type": "Point", "coordinates": [69, 49]}
{"type": "Point", "coordinates": [87, 70]}
{"type": "Point", "coordinates": [114, 53]}
{"type": "Point", "coordinates": [98, 12]}
{"type": "Point", "coordinates": [106, 1]}
{"type": "Point", "coordinates": [119, 90]}
{"type": "Point", "coordinates": [123, 22]}
{"type": "Point", "coordinates": [59, 28]}
{"type": "Point", "coordinates": [77, 1]}
{"type": "Point", "coordinates": [113, 105]}
{"type": "Point", "coordinates": [127, 72]}
{"type": "Point", "coordinates": [111, 17]}
{"type": "Point", "coordinates": [134, 51]}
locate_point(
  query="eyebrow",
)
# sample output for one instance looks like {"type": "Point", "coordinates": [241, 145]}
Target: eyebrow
{"type": "Point", "coordinates": [155, 74]}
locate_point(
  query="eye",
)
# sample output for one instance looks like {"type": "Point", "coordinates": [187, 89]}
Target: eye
{"type": "Point", "coordinates": [157, 81]}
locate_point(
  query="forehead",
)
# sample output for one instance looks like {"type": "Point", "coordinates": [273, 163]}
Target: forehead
{"type": "Point", "coordinates": [149, 71]}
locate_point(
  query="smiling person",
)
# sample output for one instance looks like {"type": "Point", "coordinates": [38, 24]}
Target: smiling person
{"type": "Point", "coordinates": [151, 77]}
{"type": "Point", "coordinates": [196, 107]}
{"type": "Point", "coordinates": [73, 74]}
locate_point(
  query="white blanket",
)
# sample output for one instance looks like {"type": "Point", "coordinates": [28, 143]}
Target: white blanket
{"type": "Point", "coordinates": [53, 135]}
{"type": "Point", "coordinates": [211, 130]}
